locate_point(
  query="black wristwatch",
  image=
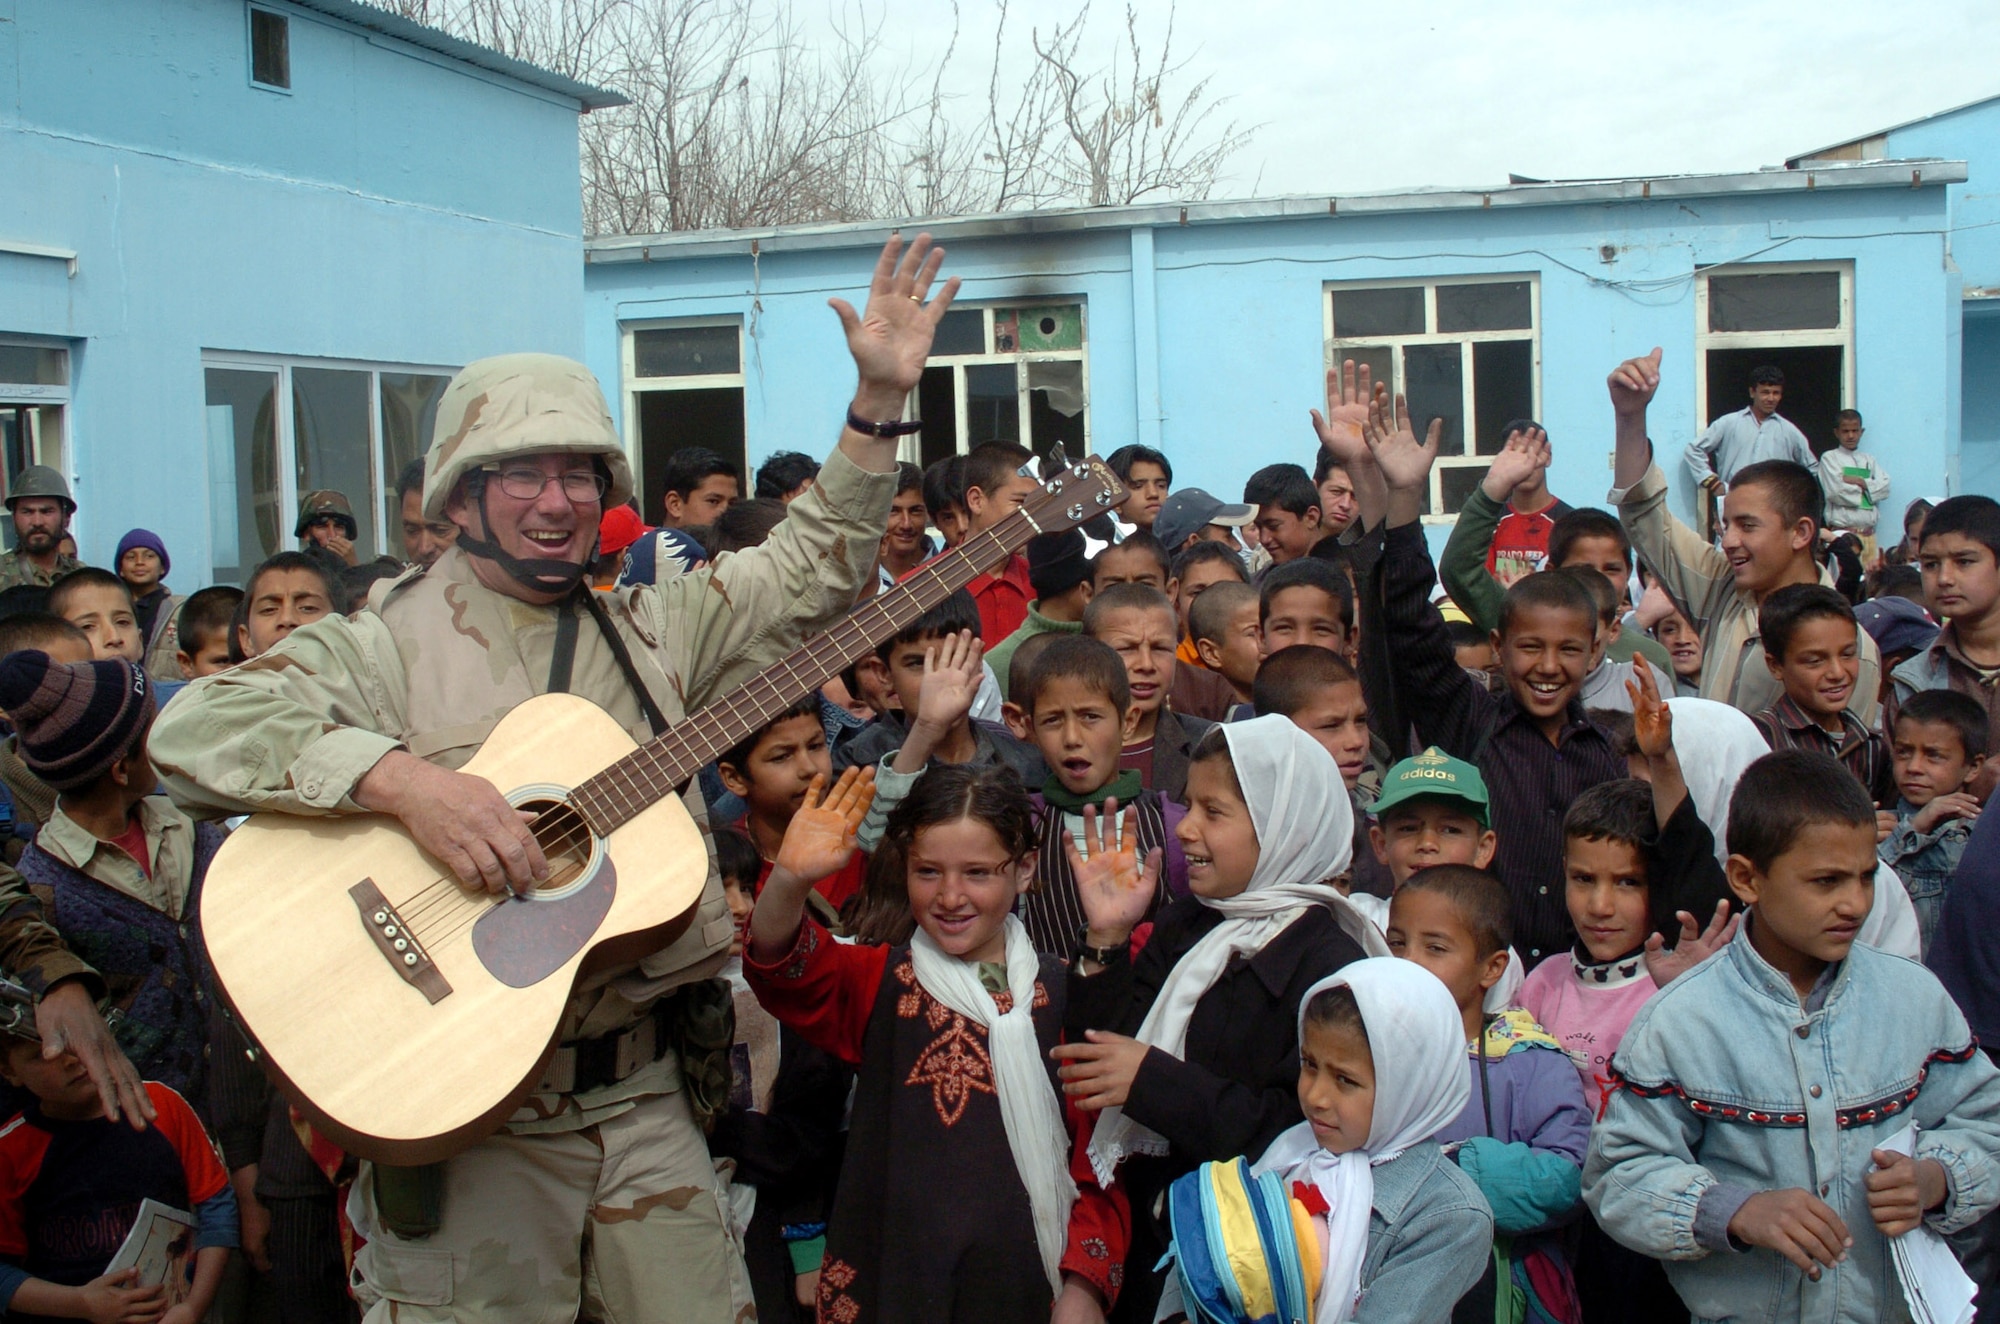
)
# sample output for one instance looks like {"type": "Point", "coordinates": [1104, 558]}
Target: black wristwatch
{"type": "Point", "coordinates": [1102, 955]}
{"type": "Point", "coordinates": [894, 427]}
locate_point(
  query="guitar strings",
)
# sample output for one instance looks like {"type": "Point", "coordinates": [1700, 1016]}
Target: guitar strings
{"type": "Point", "coordinates": [454, 909]}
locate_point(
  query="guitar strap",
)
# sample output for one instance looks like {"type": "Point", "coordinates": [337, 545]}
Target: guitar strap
{"type": "Point", "coordinates": [562, 663]}
{"type": "Point", "coordinates": [654, 717]}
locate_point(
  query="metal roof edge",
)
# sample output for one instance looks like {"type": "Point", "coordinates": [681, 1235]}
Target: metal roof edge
{"type": "Point", "coordinates": [1792, 162]}
{"type": "Point", "coordinates": [1076, 220]}
{"type": "Point", "coordinates": [388, 24]}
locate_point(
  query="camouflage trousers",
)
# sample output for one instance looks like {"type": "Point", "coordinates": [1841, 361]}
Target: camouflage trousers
{"type": "Point", "coordinates": [622, 1222]}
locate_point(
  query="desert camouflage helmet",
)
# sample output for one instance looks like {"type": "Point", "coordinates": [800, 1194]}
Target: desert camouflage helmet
{"type": "Point", "coordinates": [315, 506]}
{"type": "Point", "coordinates": [520, 404]}
{"type": "Point", "coordinates": [38, 480]}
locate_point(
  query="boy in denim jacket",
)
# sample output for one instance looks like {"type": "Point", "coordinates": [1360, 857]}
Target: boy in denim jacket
{"type": "Point", "coordinates": [1743, 1138]}
{"type": "Point", "coordinates": [1937, 747]}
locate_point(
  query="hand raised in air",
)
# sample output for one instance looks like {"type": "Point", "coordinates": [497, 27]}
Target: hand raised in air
{"type": "Point", "coordinates": [1115, 890]}
{"type": "Point", "coordinates": [821, 836]}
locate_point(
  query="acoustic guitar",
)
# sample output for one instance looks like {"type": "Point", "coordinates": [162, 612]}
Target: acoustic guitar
{"type": "Point", "coordinates": [408, 1017]}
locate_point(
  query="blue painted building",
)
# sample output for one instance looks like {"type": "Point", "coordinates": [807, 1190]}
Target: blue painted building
{"type": "Point", "coordinates": [242, 246]}
{"type": "Point", "coordinates": [1964, 133]}
{"type": "Point", "coordinates": [1205, 329]}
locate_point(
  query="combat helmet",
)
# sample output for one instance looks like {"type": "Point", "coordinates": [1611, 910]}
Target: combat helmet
{"type": "Point", "coordinates": [315, 506]}
{"type": "Point", "coordinates": [39, 480]}
{"type": "Point", "coordinates": [514, 405]}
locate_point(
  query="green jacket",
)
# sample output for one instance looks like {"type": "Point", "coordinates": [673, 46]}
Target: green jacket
{"type": "Point", "coordinates": [1462, 569]}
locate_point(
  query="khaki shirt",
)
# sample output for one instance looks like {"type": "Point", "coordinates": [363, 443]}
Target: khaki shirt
{"type": "Point", "coordinates": [1696, 575]}
{"type": "Point", "coordinates": [16, 569]}
{"type": "Point", "coordinates": [169, 843]}
{"type": "Point", "coordinates": [439, 659]}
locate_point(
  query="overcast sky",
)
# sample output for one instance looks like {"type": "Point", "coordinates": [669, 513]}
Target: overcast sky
{"type": "Point", "coordinates": [1348, 97]}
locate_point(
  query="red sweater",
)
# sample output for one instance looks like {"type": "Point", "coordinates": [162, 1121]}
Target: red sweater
{"type": "Point", "coordinates": [827, 991]}
{"type": "Point", "coordinates": [1003, 601]}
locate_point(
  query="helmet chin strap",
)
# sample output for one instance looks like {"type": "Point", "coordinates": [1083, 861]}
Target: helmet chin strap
{"type": "Point", "coordinates": [538, 574]}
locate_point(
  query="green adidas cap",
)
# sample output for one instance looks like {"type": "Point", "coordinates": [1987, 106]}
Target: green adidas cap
{"type": "Point", "coordinates": [1434, 772]}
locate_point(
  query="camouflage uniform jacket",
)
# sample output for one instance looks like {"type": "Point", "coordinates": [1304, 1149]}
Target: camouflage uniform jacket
{"type": "Point", "coordinates": [16, 569]}
{"type": "Point", "coordinates": [440, 659]}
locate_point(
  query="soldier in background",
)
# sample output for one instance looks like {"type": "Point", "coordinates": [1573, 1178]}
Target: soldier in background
{"type": "Point", "coordinates": [41, 506]}
{"type": "Point", "coordinates": [599, 1196]}
{"type": "Point", "coordinates": [326, 520]}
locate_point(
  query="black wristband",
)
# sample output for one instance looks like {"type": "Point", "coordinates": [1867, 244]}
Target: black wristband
{"type": "Point", "coordinates": [894, 427]}
{"type": "Point", "coordinates": [1117, 951]}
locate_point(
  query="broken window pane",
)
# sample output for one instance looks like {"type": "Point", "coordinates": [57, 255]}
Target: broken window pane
{"type": "Point", "coordinates": [1780, 301]}
{"type": "Point", "coordinates": [1392, 312]}
{"type": "Point", "coordinates": [1503, 306]}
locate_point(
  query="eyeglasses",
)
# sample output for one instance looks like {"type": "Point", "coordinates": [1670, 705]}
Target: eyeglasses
{"type": "Point", "coordinates": [524, 483]}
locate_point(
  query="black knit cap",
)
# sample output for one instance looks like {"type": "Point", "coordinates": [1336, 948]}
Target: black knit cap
{"type": "Point", "coordinates": [1056, 563]}
{"type": "Point", "coordinates": [77, 719]}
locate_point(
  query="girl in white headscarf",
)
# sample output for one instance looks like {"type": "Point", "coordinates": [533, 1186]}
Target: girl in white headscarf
{"type": "Point", "coordinates": [1403, 1233]}
{"type": "Point", "coordinates": [1190, 1049]}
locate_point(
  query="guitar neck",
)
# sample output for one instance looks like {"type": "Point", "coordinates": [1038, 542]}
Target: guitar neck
{"type": "Point", "coordinates": [663, 765]}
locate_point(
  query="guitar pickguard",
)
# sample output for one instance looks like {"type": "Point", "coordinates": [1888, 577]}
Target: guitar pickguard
{"type": "Point", "coordinates": [525, 940]}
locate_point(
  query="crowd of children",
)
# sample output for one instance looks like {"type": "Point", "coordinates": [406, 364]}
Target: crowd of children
{"type": "Point", "coordinates": [1166, 926]}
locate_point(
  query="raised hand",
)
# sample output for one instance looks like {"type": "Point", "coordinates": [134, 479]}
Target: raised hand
{"type": "Point", "coordinates": [1633, 382]}
{"type": "Point", "coordinates": [1405, 465]}
{"type": "Point", "coordinates": [1524, 455]}
{"type": "Point", "coordinates": [891, 338]}
{"type": "Point", "coordinates": [1114, 890]}
{"type": "Point", "coordinates": [1693, 948]}
{"type": "Point", "coordinates": [1341, 428]}
{"type": "Point", "coordinates": [1652, 719]}
{"type": "Point", "coordinates": [821, 836]}
{"type": "Point", "coordinates": [952, 676]}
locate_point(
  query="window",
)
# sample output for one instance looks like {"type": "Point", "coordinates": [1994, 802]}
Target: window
{"type": "Point", "coordinates": [1798, 318]}
{"type": "Point", "coordinates": [683, 388]}
{"type": "Point", "coordinates": [278, 428]}
{"type": "Point", "coordinates": [34, 411]}
{"type": "Point", "coordinates": [270, 49]}
{"type": "Point", "coordinates": [1467, 351]}
{"type": "Point", "coordinates": [1013, 373]}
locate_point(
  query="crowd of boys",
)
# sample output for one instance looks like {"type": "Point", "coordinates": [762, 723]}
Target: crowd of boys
{"type": "Point", "coordinates": [1573, 745]}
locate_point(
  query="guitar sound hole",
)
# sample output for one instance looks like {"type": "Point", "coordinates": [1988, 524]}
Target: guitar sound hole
{"type": "Point", "coordinates": [564, 838]}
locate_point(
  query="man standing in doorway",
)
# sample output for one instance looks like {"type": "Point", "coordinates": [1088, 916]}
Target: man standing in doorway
{"type": "Point", "coordinates": [599, 1195]}
{"type": "Point", "coordinates": [1750, 435]}
{"type": "Point", "coordinates": [41, 506]}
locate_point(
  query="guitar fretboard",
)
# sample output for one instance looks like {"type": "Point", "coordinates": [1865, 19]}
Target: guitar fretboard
{"type": "Point", "coordinates": [664, 764]}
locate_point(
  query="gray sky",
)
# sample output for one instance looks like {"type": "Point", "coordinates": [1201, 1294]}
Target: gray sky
{"type": "Point", "coordinates": [1350, 97]}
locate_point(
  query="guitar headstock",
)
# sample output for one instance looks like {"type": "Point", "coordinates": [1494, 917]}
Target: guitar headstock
{"type": "Point", "coordinates": [1073, 494]}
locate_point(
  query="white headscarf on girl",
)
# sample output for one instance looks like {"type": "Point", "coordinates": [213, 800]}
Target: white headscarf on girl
{"type": "Point", "coordinates": [1417, 1039]}
{"type": "Point", "coordinates": [1028, 1106]}
{"type": "Point", "coordinates": [1715, 743]}
{"type": "Point", "coordinates": [1305, 834]}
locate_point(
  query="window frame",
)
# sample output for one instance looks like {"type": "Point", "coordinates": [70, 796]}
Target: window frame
{"type": "Point", "coordinates": [250, 47]}
{"type": "Point", "coordinates": [46, 396]}
{"type": "Point", "coordinates": [1816, 337]}
{"type": "Point", "coordinates": [1333, 350]}
{"type": "Point", "coordinates": [910, 450]}
{"type": "Point", "coordinates": [283, 408]}
{"type": "Point", "coordinates": [635, 386]}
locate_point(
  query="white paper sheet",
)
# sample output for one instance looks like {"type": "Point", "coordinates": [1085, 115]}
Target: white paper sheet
{"type": "Point", "coordinates": [1934, 1284]}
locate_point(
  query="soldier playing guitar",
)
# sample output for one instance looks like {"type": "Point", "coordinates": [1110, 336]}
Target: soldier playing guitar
{"type": "Point", "coordinates": [598, 1195]}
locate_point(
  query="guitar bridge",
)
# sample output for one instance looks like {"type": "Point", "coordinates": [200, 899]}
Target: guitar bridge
{"type": "Point", "coordinates": [397, 944]}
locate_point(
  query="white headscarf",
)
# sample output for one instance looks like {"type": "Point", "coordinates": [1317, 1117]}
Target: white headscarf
{"type": "Point", "coordinates": [1305, 834]}
{"type": "Point", "coordinates": [1417, 1038]}
{"type": "Point", "coordinates": [1028, 1106]}
{"type": "Point", "coordinates": [1715, 744]}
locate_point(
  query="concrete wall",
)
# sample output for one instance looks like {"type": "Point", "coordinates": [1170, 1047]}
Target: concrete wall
{"type": "Point", "coordinates": [1236, 343]}
{"type": "Point", "coordinates": [1965, 135]}
{"type": "Point", "coordinates": [396, 206]}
